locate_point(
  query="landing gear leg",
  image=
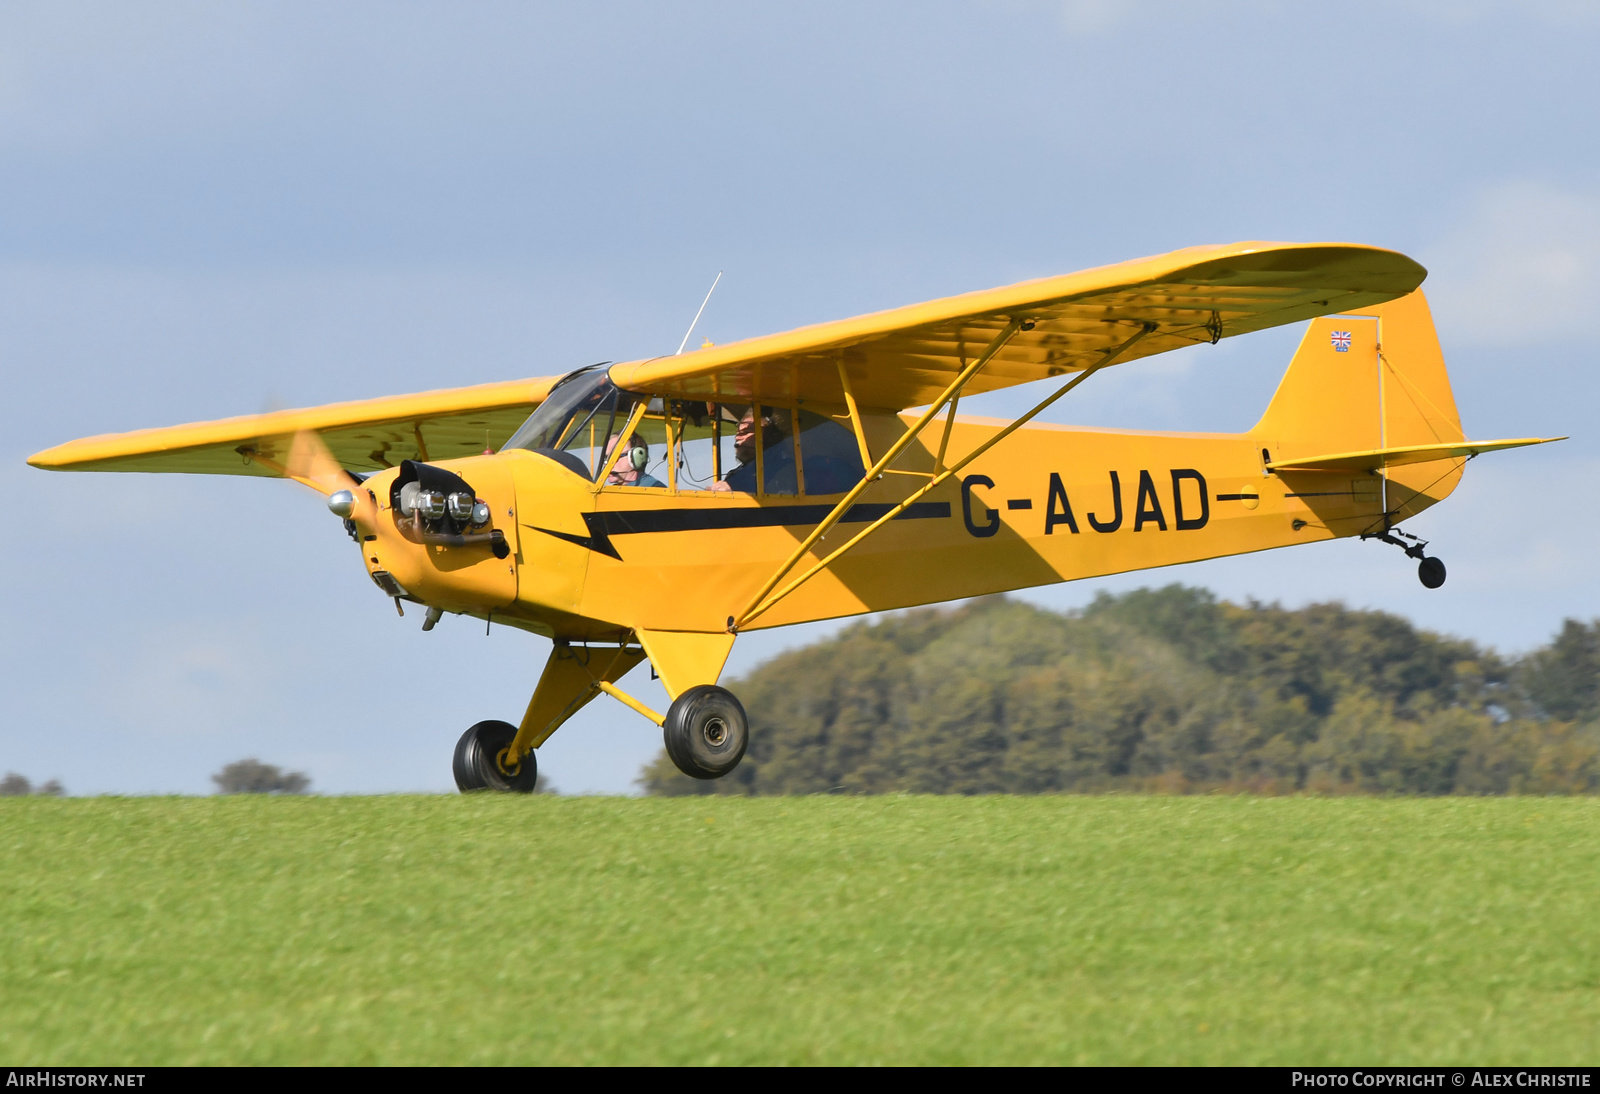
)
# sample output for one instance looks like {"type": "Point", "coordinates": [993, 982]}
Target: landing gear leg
{"type": "Point", "coordinates": [500, 756]}
{"type": "Point", "coordinates": [480, 761]}
{"type": "Point", "coordinates": [1430, 571]}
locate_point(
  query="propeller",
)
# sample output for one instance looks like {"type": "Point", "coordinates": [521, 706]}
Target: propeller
{"type": "Point", "coordinates": [311, 464]}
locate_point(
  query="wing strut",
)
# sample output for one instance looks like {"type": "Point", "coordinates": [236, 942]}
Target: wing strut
{"type": "Point", "coordinates": [876, 470]}
{"type": "Point", "coordinates": [763, 601]}
{"type": "Point", "coordinates": [944, 439]}
{"type": "Point", "coordinates": [855, 415]}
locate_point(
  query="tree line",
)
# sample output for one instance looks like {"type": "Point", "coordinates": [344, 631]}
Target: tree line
{"type": "Point", "coordinates": [1164, 690]}
{"type": "Point", "coordinates": [13, 785]}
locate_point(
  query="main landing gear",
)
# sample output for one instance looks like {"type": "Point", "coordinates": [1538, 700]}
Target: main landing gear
{"type": "Point", "coordinates": [1430, 571]}
{"type": "Point", "coordinates": [479, 762]}
{"type": "Point", "coordinates": [705, 731]}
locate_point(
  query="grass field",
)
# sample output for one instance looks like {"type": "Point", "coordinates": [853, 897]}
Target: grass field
{"type": "Point", "coordinates": [799, 930]}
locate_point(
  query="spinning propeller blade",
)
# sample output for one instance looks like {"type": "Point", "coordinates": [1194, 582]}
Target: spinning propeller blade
{"type": "Point", "coordinates": [311, 463]}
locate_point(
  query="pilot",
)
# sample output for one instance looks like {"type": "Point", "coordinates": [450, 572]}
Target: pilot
{"type": "Point", "coordinates": [630, 472]}
{"type": "Point", "coordinates": [777, 456]}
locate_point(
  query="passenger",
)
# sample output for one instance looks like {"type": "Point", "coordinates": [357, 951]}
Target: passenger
{"type": "Point", "coordinates": [777, 456]}
{"type": "Point", "coordinates": [625, 472]}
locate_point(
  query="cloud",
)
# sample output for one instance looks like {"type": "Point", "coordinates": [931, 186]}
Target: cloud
{"type": "Point", "coordinates": [1520, 267]}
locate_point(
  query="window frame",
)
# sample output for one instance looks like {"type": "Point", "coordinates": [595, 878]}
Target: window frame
{"type": "Point", "coordinates": [674, 429]}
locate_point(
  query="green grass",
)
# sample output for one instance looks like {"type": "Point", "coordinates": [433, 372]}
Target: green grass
{"type": "Point", "coordinates": [799, 930]}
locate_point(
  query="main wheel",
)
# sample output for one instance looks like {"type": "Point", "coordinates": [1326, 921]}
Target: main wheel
{"type": "Point", "coordinates": [477, 766]}
{"type": "Point", "coordinates": [706, 732]}
{"type": "Point", "coordinates": [1430, 571]}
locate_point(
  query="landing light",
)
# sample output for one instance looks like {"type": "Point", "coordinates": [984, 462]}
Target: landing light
{"type": "Point", "coordinates": [341, 503]}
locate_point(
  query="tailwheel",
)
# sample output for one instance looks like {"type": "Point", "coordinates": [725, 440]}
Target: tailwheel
{"type": "Point", "coordinates": [1430, 571]}
{"type": "Point", "coordinates": [706, 732]}
{"type": "Point", "coordinates": [479, 762]}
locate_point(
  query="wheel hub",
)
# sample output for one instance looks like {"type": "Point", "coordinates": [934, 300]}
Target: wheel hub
{"type": "Point", "coordinates": [716, 732]}
{"type": "Point", "coordinates": [502, 760]}
{"type": "Point", "coordinates": [483, 761]}
{"type": "Point", "coordinates": [705, 732]}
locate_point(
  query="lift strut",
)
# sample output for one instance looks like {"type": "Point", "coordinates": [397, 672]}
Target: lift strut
{"type": "Point", "coordinates": [767, 598]}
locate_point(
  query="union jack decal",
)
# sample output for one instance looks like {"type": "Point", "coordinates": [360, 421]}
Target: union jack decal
{"type": "Point", "coordinates": [1341, 341]}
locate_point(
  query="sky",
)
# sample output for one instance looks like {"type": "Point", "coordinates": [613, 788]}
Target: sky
{"type": "Point", "coordinates": [209, 209]}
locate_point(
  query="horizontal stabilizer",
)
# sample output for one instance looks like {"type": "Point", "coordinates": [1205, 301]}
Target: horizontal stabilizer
{"type": "Point", "coordinates": [1376, 458]}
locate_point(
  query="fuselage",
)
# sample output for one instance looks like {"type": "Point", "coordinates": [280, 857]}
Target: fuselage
{"type": "Point", "coordinates": [1049, 504]}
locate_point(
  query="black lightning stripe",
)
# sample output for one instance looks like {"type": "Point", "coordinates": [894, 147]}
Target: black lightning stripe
{"type": "Point", "coordinates": [602, 526]}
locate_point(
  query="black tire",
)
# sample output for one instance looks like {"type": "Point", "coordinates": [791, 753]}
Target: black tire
{"type": "Point", "coordinates": [1430, 571]}
{"type": "Point", "coordinates": [476, 768]}
{"type": "Point", "coordinates": [706, 732]}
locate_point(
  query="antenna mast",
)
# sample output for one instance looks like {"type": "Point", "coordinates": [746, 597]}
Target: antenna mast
{"type": "Point", "coordinates": [697, 314]}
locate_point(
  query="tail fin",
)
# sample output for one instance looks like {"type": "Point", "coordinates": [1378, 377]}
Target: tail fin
{"type": "Point", "coordinates": [1370, 381]}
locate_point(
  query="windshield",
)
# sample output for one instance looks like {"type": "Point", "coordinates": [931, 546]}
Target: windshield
{"type": "Point", "coordinates": [582, 418]}
{"type": "Point", "coordinates": [567, 406]}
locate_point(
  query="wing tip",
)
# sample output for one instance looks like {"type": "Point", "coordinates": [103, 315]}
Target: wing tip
{"type": "Point", "coordinates": [47, 460]}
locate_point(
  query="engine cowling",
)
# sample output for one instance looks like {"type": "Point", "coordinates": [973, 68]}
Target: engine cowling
{"type": "Point", "coordinates": [443, 534]}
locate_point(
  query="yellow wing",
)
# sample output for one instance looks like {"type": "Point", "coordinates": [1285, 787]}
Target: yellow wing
{"type": "Point", "coordinates": [895, 359]}
{"type": "Point", "coordinates": [362, 436]}
{"type": "Point", "coordinates": [905, 357]}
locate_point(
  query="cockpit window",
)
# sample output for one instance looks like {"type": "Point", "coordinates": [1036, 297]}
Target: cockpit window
{"type": "Point", "coordinates": [714, 448]}
{"type": "Point", "coordinates": [831, 458]}
{"type": "Point", "coordinates": [578, 417]}
{"type": "Point", "coordinates": [689, 444]}
{"type": "Point", "coordinates": [644, 460]}
{"type": "Point", "coordinates": [574, 397]}
{"type": "Point", "coordinates": [763, 445]}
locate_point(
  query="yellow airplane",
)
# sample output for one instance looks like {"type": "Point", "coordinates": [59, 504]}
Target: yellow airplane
{"type": "Point", "coordinates": [657, 508]}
